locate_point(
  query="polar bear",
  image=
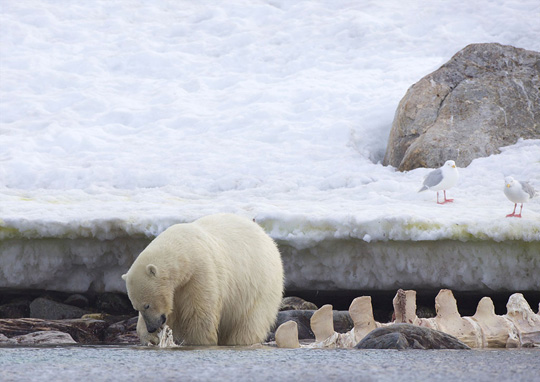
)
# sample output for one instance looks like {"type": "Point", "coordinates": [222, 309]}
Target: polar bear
{"type": "Point", "coordinates": [216, 281]}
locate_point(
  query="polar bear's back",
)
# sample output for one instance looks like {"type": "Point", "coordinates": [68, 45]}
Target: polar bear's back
{"type": "Point", "coordinates": [242, 241]}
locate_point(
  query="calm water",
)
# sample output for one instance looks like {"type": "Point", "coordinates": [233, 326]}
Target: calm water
{"type": "Point", "coordinates": [108, 363]}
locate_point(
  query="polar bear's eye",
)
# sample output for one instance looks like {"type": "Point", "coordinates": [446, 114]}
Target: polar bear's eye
{"type": "Point", "coordinates": [146, 306]}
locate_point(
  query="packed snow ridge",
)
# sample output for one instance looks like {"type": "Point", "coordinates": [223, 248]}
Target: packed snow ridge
{"type": "Point", "coordinates": [374, 204]}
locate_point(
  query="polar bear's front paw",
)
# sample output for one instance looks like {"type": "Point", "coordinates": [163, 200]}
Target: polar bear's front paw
{"type": "Point", "coordinates": [149, 339]}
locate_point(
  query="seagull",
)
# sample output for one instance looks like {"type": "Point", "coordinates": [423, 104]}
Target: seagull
{"type": "Point", "coordinates": [442, 179]}
{"type": "Point", "coordinates": [517, 192]}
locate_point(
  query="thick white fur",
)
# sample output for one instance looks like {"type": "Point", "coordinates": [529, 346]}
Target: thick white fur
{"type": "Point", "coordinates": [218, 280]}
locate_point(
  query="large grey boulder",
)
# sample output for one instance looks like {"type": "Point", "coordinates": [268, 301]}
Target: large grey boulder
{"type": "Point", "coordinates": [51, 310]}
{"type": "Point", "coordinates": [487, 96]}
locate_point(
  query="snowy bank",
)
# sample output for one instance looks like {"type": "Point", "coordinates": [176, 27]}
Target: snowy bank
{"type": "Point", "coordinates": [120, 119]}
{"type": "Point", "coordinates": [379, 234]}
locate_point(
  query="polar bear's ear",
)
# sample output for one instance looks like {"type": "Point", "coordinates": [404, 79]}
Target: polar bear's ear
{"type": "Point", "coordinates": [124, 276]}
{"type": "Point", "coordinates": [151, 270]}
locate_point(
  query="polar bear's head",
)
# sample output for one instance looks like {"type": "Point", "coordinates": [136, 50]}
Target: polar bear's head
{"type": "Point", "coordinates": [150, 294]}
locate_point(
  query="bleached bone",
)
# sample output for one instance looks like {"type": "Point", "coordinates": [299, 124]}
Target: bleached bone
{"type": "Point", "coordinates": [361, 312]}
{"type": "Point", "coordinates": [519, 327]}
{"type": "Point", "coordinates": [322, 323]}
{"type": "Point", "coordinates": [525, 320]}
{"type": "Point", "coordinates": [166, 339]}
{"type": "Point", "coordinates": [405, 310]}
{"type": "Point", "coordinates": [449, 321]}
{"type": "Point", "coordinates": [330, 342]}
{"type": "Point", "coordinates": [287, 335]}
{"type": "Point", "coordinates": [497, 331]}
{"type": "Point", "coordinates": [405, 307]}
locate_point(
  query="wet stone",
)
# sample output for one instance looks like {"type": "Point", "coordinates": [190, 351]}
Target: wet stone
{"type": "Point", "coordinates": [407, 336]}
{"type": "Point", "coordinates": [296, 303]}
{"type": "Point", "coordinates": [50, 337]}
{"type": "Point", "coordinates": [122, 332]}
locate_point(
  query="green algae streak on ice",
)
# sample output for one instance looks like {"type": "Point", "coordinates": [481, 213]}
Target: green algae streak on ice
{"type": "Point", "coordinates": [99, 229]}
{"type": "Point", "coordinates": [8, 232]}
{"type": "Point", "coordinates": [498, 231]}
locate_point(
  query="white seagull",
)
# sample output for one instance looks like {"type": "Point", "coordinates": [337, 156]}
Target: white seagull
{"type": "Point", "coordinates": [442, 179]}
{"type": "Point", "coordinates": [517, 192]}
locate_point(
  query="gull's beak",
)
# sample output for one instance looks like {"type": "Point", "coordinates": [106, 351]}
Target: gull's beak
{"type": "Point", "coordinates": [508, 185]}
{"type": "Point", "coordinates": [454, 166]}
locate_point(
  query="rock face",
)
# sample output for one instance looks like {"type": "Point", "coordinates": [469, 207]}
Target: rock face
{"type": "Point", "coordinates": [407, 336]}
{"type": "Point", "coordinates": [487, 96]}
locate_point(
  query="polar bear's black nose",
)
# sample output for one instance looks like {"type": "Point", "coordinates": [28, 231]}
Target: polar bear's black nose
{"type": "Point", "coordinates": [152, 329]}
{"type": "Point", "coordinates": [153, 324]}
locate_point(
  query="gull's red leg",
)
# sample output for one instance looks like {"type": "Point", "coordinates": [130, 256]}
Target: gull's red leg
{"type": "Point", "coordinates": [521, 209]}
{"type": "Point", "coordinates": [513, 213]}
{"type": "Point", "coordinates": [447, 200]}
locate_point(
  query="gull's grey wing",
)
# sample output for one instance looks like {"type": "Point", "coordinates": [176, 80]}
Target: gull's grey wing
{"type": "Point", "coordinates": [433, 178]}
{"type": "Point", "coordinates": [527, 188]}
